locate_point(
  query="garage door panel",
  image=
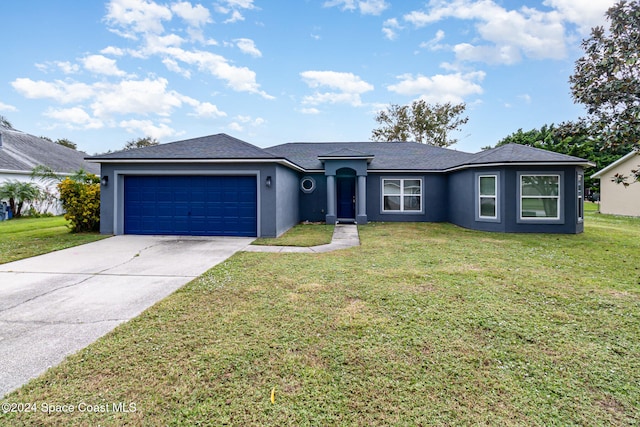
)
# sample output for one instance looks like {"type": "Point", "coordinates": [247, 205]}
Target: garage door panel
{"type": "Point", "coordinates": [191, 205]}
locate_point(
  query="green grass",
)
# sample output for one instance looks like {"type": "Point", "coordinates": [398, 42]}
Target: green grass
{"type": "Point", "coordinates": [423, 324]}
{"type": "Point", "coordinates": [27, 237]}
{"type": "Point", "coordinates": [301, 235]}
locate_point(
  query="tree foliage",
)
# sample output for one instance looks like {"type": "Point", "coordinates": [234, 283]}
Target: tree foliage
{"type": "Point", "coordinates": [80, 199]}
{"type": "Point", "coordinates": [18, 193]}
{"type": "Point", "coordinates": [573, 139]}
{"type": "Point", "coordinates": [66, 143]}
{"type": "Point", "coordinates": [607, 78]}
{"type": "Point", "coordinates": [421, 122]}
{"type": "Point", "coordinates": [147, 141]}
{"type": "Point", "coordinates": [4, 122]}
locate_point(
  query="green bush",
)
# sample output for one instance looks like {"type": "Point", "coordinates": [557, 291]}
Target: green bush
{"type": "Point", "coordinates": [81, 201]}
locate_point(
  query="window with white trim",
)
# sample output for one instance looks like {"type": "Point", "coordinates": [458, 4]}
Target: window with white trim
{"type": "Point", "coordinates": [487, 196]}
{"type": "Point", "coordinates": [401, 195]}
{"type": "Point", "coordinates": [539, 196]}
{"type": "Point", "coordinates": [580, 195]}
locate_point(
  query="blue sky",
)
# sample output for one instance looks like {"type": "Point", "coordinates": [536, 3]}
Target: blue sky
{"type": "Point", "coordinates": [269, 72]}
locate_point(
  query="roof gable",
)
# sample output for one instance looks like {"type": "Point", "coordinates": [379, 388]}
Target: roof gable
{"type": "Point", "coordinates": [219, 146]}
{"type": "Point", "coordinates": [21, 152]}
{"type": "Point", "coordinates": [616, 164]}
{"type": "Point", "coordinates": [517, 153]}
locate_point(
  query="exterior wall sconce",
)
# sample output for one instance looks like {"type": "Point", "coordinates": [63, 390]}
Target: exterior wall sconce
{"type": "Point", "coordinates": [267, 182]}
{"type": "Point", "coordinates": [104, 181]}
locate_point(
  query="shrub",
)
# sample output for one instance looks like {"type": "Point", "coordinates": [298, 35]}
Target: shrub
{"type": "Point", "coordinates": [81, 201]}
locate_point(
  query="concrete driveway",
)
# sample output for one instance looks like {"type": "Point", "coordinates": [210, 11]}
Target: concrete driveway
{"type": "Point", "coordinates": [55, 304]}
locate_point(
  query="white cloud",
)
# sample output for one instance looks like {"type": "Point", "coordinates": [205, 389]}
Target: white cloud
{"type": "Point", "coordinates": [175, 67]}
{"type": "Point", "coordinates": [348, 87]}
{"type": "Point", "coordinates": [434, 43]}
{"type": "Point", "coordinates": [147, 128]}
{"type": "Point", "coordinates": [74, 118]}
{"type": "Point", "coordinates": [67, 67]}
{"type": "Point", "coordinates": [137, 16]}
{"type": "Point", "coordinates": [310, 111]}
{"type": "Point", "coordinates": [195, 16]}
{"type": "Point", "coordinates": [240, 79]}
{"type": "Point", "coordinates": [346, 82]}
{"type": "Point", "coordinates": [102, 65]}
{"type": "Point", "coordinates": [584, 14]}
{"type": "Point", "coordinates": [389, 28]}
{"type": "Point", "coordinates": [490, 54]}
{"type": "Point", "coordinates": [135, 97]}
{"type": "Point", "coordinates": [63, 92]}
{"type": "Point", "coordinates": [158, 45]}
{"type": "Point", "coordinates": [249, 47]}
{"type": "Point", "coordinates": [232, 8]}
{"type": "Point", "coordinates": [441, 87]}
{"type": "Point", "coordinates": [206, 109]}
{"type": "Point", "coordinates": [236, 127]}
{"type": "Point", "coordinates": [7, 107]}
{"type": "Point", "coordinates": [509, 34]}
{"type": "Point", "coordinates": [372, 7]}
{"type": "Point", "coordinates": [366, 7]}
{"type": "Point", "coordinates": [112, 50]}
{"type": "Point", "coordinates": [241, 122]}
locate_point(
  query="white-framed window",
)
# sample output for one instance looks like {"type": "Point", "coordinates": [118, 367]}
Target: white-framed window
{"type": "Point", "coordinates": [487, 196]}
{"type": "Point", "coordinates": [580, 195]}
{"type": "Point", "coordinates": [539, 196]}
{"type": "Point", "coordinates": [402, 195]}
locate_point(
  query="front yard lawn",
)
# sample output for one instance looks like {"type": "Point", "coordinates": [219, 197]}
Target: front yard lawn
{"type": "Point", "coordinates": [301, 235]}
{"type": "Point", "coordinates": [27, 237]}
{"type": "Point", "coordinates": [423, 324]}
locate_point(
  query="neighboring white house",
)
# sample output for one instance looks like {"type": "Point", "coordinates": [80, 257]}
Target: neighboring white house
{"type": "Point", "coordinates": [618, 199]}
{"type": "Point", "coordinates": [20, 153]}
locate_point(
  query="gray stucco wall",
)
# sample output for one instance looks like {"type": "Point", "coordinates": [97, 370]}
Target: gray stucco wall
{"type": "Point", "coordinates": [463, 193]}
{"type": "Point", "coordinates": [287, 190]}
{"type": "Point", "coordinates": [112, 196]}
{"type": "Point", "coordinates": [434, 198]}
{"type": "Point", "coordinates": [313, 205]}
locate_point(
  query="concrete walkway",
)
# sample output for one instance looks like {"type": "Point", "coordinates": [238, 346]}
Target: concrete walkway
{"type": "Point", "coordinates": [344, 236]}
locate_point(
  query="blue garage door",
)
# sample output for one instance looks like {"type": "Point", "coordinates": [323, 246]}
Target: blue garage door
{"type": "Point", "coordinates": [190, 205]}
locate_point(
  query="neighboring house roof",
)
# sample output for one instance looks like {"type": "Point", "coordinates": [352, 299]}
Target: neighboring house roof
{"type": "Point", "coordinates": [615, 164]}
{"type": "Point", "coordinates": [309, 156]}
{"type": "Point", "coordinates": [21, 152]}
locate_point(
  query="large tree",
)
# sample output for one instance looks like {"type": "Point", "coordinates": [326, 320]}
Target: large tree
{"type": "Point", "coordinates": [421, 122]}
{"type": "Point", "coordinates": [607, 78]}
{"type": "Point", "coordinates": [574, 139]}
{"type": "Point", "coordinates": [147, 141]}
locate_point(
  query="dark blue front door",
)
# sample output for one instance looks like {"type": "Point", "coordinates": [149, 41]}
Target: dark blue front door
{"type": "Point", "coordinates": [346, 189]}
{"type": "Point", "coordinates": [190, 205]}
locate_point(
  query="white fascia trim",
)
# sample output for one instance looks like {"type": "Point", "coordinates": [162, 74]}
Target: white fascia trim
{"type": "Point", "coordinates": [614, 164]}
{"type": "Point", "coordinates": [283, 162]}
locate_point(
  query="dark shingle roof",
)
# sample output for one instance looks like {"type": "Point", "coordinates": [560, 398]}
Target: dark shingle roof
{"type": "Point", "coordinates": [516, 153]}
{"type": "Point", "coordinates": [22, 152]}
{"type": "Point", "coordinates": [383, 156]}
{"type": "Point", "coordinates": [386, 156]}
{"type": "Point", "coordinates": [219, 146]}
